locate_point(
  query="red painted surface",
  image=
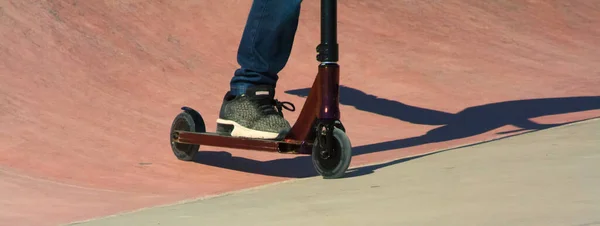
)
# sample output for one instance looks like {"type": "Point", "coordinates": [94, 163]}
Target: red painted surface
{"type": "Point", "coordinates": [78, 78]}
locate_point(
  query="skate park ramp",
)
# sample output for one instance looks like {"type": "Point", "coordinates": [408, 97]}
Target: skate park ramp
{"type": "Point", "coordinates": [89, 89]}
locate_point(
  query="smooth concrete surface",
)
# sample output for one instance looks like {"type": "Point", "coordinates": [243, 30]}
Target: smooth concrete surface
{"type": "Point", "coordinates": [548, 177]}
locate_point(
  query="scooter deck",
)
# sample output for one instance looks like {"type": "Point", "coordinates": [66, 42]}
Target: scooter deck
{"type": "Point", "coordinates": [217, 140]}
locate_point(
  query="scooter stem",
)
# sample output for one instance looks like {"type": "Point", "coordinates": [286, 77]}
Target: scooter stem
{"type": "Point", "coordinates": [328, 79]}
{"type": "Point", "coordinates": [322, 102]}
{"type": "Point", "coordinates": [328, 48]}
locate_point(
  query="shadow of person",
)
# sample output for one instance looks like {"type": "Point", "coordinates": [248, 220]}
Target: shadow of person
{"type": "Point", "coordinates": [468, 122]}
{"type": "Point", "coordinates": [481, 119]}
{"type": "Point", "coordinates": [384, 107]}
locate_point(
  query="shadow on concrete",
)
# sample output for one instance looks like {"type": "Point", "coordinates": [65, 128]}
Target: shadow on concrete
{"type": "Point", "coordinates": [469, 122]}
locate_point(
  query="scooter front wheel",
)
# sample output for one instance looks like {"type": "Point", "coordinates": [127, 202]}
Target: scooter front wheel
{"type": "Point", "coordinates": [332, 164]}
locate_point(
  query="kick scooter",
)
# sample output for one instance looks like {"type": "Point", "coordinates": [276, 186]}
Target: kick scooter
{"type": "Point", "coordinates": [318, 130]}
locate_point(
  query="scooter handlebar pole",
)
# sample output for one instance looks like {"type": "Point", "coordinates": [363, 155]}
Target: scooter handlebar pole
{"type": "Point", "coordinates": [328, 48]}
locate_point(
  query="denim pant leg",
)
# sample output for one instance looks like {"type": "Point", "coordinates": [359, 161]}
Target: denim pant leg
{"type": "Point", "coordinates": [266, 43]}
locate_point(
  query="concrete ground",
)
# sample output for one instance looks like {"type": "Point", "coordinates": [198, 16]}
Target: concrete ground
{"type": "Point", "coordinates": [549, 177]}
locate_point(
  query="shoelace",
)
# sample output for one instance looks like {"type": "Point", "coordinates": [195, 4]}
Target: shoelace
{"type": "Point", "coordinates": [266, 106]}
{"type": "Point", "coordinates": [280, 105]}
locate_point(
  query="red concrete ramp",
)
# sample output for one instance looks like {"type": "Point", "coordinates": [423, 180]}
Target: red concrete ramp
{"type": "Point", "coordinates": [88, 90]}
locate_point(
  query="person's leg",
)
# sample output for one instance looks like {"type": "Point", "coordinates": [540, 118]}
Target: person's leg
{"type": "Point", "coordinates": [266, 43]}
{"type": "Point", "coordinates": [249, 108]}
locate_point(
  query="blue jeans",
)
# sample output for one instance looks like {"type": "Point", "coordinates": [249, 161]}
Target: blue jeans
{"type": "Point", "coordinates": [266, 43]}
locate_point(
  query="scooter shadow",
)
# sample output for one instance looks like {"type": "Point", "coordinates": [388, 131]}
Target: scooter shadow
{"type": "Point", "coordinates": [469, 122]}
{"type": "Point", "coordinates": [297, 167]}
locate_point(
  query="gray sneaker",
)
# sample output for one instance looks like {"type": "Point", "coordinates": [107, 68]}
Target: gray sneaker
{"type": "Point", "coordinates": [255, 114]}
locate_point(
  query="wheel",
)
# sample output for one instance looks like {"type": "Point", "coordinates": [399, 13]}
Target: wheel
{"type": "Point", "coordinates": [339, 125]}
{"type": "Point", "coordinates": [336, 164]}
{"type": "Point", "coordinates": [188, 120]}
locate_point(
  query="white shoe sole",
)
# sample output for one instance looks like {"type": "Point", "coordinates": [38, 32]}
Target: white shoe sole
{"type": "Point", "coordinates": [241, 131]}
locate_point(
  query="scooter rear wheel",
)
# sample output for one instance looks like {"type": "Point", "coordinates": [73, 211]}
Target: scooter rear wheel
{"type": "Point", "coordinates": [190, 121]}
